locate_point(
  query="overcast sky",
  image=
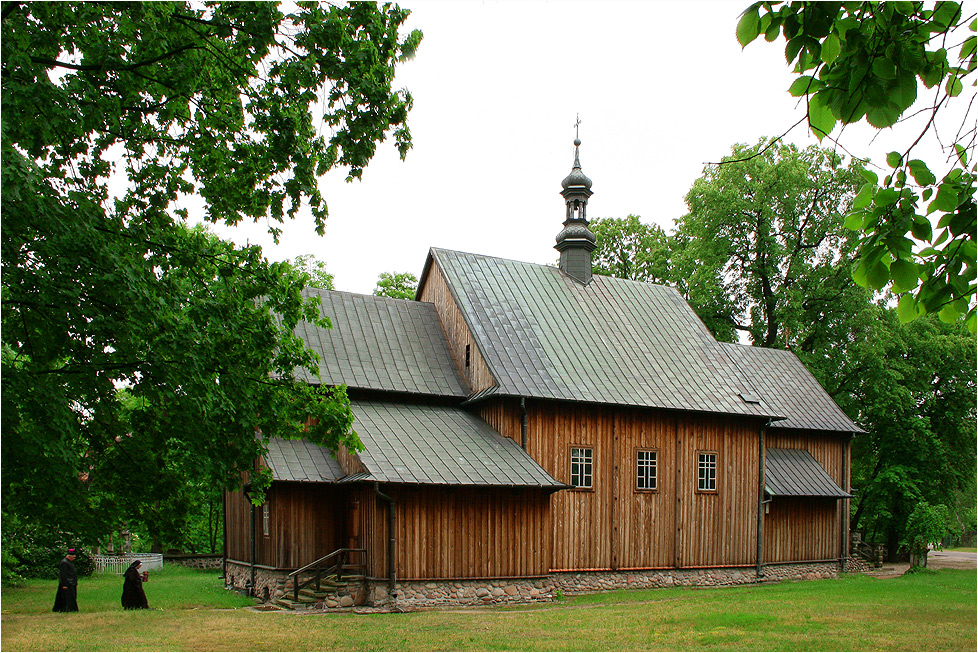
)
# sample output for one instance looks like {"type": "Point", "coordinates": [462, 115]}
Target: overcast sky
{"type": "Point", "coordinates": [661, 87]}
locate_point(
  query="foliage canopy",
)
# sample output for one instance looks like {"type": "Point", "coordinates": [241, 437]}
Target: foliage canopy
{"type": "Point", "coordinates": [867, 60]}
{"type": "Point", "coordinates": [112, 114]}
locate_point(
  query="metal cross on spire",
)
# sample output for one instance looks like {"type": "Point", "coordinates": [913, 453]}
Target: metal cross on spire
{"type": "Point", "coordinates": [577, 128]}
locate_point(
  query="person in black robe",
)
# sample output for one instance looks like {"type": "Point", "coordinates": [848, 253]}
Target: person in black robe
{"type": "Point", "coordinates": [133, 596]}
{"type": "Point", "coordinates": [66, 600]}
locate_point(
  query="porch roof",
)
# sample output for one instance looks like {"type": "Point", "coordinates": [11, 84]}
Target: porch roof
{"type": "Point", "coordinates": [796, 473]}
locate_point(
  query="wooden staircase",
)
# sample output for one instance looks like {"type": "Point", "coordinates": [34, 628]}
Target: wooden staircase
{"type": "Point", "coordinates": [330, 582]}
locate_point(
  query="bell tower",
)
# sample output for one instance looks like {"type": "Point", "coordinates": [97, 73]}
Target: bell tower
{"type": "Point", "coordinates": [575, 242]}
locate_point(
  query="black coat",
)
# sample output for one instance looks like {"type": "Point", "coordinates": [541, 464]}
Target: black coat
{"type": "Point", "coordinates": [66, 600]}
{"type": "Point", "coordinates": [133, 596]}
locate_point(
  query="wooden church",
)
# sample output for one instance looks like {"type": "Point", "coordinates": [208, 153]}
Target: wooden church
{"type": "Point", "coordinates": [530, 428]}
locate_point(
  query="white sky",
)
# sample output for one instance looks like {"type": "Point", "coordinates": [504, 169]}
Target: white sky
{"type": "Point", "coordinates": [662, 87]}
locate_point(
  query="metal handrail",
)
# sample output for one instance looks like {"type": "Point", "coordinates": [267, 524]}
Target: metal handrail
{"type": "Point", "coordinates": [319, 568]}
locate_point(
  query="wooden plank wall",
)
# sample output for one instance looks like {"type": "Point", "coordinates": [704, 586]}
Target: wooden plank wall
{"type": "Point", "coordinates": [436, 291]}
{"type": "Point", "coordinates": [615, 526]}
{"type": "Point", "coordinates": [237, 514]}
{"type": "Point", "coordinates": [306, 521]}
{"type": "Point", "coordinates": [455, 532]}
{"type": "Point", "coordinates": [797, 529]}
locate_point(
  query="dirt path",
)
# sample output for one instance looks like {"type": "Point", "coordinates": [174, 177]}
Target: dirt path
{"type": "Point", "coordinates": [935, 560]}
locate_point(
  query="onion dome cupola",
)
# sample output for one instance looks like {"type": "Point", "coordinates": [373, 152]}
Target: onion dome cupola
{"type": "Point", "coordinates": [575, 242]}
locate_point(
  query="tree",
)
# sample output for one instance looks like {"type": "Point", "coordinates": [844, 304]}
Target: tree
{"type": "Point", "coordinates": [316, 269]}
{"type": "Point", "coordinates": [915, 396]}
{"type": "Point", "coordinates": [108, 288]}
{"type": "Point", "coordinates": [399, 285]}
{"type": "Point", "coordinates": [867, 60]}
{"type": "Point", "coordinates": [762, 250]}
{"type": "Point", "coordinates": [927, 524]}
{"type": "Point", "coordinates": [630, 249]}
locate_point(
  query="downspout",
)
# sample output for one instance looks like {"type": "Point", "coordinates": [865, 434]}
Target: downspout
{"type": "Point", "coordinates": [391, 543]}
{"type": "Point", "coordinates": [224, 512]}
{"type": "Point", "coordinates": [251, 589]}
{"type": "Point", "coordinates": [844, 510]}
{"type": "Point", "coordinates": [760, 499]}
{"type": "Point", "coordinates": [523, 422]}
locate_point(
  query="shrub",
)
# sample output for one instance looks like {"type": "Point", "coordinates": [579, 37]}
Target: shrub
{"type": "Point", "coordinates": [30, 551]}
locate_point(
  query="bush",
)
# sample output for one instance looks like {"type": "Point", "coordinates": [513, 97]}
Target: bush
{"type": "Point", "coordinates": [34, 552]}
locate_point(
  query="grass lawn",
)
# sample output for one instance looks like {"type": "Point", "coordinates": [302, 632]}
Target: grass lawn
{"type": "Point", "coordinates": [933, 611]}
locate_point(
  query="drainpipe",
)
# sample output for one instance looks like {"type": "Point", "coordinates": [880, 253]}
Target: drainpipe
{"type": "Point", "coordinates": [224, 512]}
{"type": "Point", "coordinates": [760, 499]}
{"type": "Point", "coordinates": [391, 543]}
{"type": "Point", "coordinates": [251, 590]}
{"type": "Point", "coordinates": [523, 421]}
{"type": "Point", "coordinates": [246, 491]}
{"type": "Point", "coordinates": [844, 510]}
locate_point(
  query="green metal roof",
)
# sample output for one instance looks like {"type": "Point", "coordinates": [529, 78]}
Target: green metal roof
{"type": "Point", "coordinates": [790, 389]}
{"type": "Point", "coordinates": [611, 341]}
{"type": "Point", "coordinates": [440, 445]}
{"type": "Point", "coordinates": [379, 343]}
{"type": "Point", "coordinates": [301, 461]}
{"type": "Point", "coordinates": [796, 473]}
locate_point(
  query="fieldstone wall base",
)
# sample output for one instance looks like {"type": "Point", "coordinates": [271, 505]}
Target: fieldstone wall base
{"type": "Point", "coordinates": [413, 595]}
{"type": "Point", "coordinates": [601, 581]}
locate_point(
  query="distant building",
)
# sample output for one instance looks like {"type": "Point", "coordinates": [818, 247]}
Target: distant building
{"type": "Point", "coordinates": [531, 428]}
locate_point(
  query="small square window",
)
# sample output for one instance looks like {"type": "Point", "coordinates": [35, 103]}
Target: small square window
{"type": "Point", "coordinates": [706, 476]}
{"type": "Point", "coordinates": [582, 467]}
{"type": "Point", "coordinates": [646, 464]}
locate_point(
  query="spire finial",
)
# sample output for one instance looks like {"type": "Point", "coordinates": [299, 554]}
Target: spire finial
{"type": "Point", "coordinates": [577, 130]}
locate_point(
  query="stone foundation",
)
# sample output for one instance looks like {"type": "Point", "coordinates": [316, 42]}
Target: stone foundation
{"type": "Point", "coordinates": [271, 584]}
{"type": "Point", "coordinates": [490, 591]}
{"type": "Point", "coordinates": [602, 581]}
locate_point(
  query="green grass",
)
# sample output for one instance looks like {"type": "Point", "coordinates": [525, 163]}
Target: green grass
{"type": "Point", "coordinates": [932, 611]}
{"type": "Point", "coordinates": [963, 549]}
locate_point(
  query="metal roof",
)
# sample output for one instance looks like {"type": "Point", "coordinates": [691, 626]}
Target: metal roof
{"type": "Point", "coordinates": [611, 341]}
{"type": "Point", "coordinates": [790, 389]}
{"type": "Point", "coordinates": [379, 343]}
{"type": "Point", "coordinates": [796, 473]}
{"type": "Point", "coordinates": [440, 445]}
{"type": "Point", "coordinates": [302, 461]}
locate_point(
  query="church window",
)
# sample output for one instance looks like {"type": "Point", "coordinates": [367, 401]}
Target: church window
{"type": "Point", "coordinates": [582, 467]}
{"type": "Point", "coordinates": [646, 464]}
{"type": "Point", "coordinates": [706, 472]}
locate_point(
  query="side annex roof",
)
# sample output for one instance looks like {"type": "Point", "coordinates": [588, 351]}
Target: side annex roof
{"type": "Point", "coordinates": [786, 385]}
{"type": "Point", "coordinates": [380, 343]}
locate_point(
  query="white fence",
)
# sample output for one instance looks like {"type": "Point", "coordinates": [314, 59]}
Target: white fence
{"type": "Point", "coordinates": [119, 563]}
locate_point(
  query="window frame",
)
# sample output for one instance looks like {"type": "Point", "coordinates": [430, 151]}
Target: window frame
{"type": "Point", "coordinates": [266, 519]}
{"type": "Point", "coordinates": [654, 466]}
{"type": "Point", "coordinates": [589, 462]}
{"type": "Point", "coordinates": [700, 468]}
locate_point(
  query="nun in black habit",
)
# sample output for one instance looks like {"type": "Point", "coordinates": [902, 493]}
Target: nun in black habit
{"type": "Point", "coordinates": [133, 596]}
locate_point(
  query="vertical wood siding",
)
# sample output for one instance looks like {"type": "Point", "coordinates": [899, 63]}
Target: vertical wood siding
{"type": "Point", "coordinates": [799, 529]}
{"type": "Point", "coordinates": [436, 291]}
{"type": "Point", "coordinates": [455, 532]}
{"type": "Point", "coordinates": [615, 526]}
{"type": "Point", "coordinates": [720, 528]}
{"type": "Point", "coordinates": [306, 521]}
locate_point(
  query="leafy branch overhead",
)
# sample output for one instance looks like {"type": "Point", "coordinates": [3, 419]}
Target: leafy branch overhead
{"type": "Point", "coordinates": [867, 61]}
{"type": "Point", "coordinates": [138, 350]}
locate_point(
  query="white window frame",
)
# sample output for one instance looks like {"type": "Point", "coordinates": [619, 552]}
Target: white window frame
{"type": "Point", "coordinates": [582, 467]}
{"type": "Point", "coordinates": [646, 470]}
{"type": "Point", "coordinates": [707, 471]}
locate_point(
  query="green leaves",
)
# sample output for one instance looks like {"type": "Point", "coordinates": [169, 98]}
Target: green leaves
{"type": "Point", "coordinates": [748, 27]}
{"type": "Point", "coordinates": [219, 100]}
{"type": "Point", "coordinates": [858, 61]}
